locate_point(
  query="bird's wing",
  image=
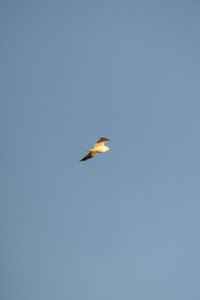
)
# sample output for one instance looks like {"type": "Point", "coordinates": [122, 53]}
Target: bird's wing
{"type": "Point", "coordinates": [101, 142]}
{"type": "Point", "coordinates": [89, 155]}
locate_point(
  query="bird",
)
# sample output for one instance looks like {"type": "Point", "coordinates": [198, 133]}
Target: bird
{"type": "Point", "coordinates": [99, 147]}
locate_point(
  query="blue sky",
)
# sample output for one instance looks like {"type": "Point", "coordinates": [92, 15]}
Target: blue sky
{"type": "Point", "coordinates": [124, 225]}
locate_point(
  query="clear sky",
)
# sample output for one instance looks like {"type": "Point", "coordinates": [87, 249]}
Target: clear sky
{"type": "Point", "coordinates": [124, 225]}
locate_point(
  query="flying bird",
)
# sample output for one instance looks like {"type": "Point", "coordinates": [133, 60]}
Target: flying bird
{"type": "Point", "coordinates": [99, 147]}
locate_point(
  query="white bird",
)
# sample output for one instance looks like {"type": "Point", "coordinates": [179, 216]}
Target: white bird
{"type": "Point", "coordinates": [99, 147]}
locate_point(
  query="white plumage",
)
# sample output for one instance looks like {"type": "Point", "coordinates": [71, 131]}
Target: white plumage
{"type": "Point", "coordinates": [99, 147]}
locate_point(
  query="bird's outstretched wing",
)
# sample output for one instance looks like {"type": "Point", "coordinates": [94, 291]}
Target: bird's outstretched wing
{"type": "Point", "coordinates": [89, 155]}
{"type": "Point", "coordinates": [101, 142]}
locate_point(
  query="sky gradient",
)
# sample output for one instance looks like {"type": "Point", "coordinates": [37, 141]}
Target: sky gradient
{"type": "Point", "coordinates": [124, 225]}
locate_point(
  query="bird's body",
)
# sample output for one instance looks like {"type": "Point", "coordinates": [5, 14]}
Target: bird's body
{"type": "Point", "coordinates": [99, 147]}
